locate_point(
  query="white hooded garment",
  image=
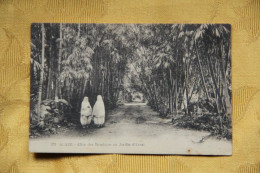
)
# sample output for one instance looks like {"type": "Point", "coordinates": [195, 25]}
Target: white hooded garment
{"type": "Point", "coordinates": [99, 111]}
{"type": "Point", "coordinates": [86, 112]}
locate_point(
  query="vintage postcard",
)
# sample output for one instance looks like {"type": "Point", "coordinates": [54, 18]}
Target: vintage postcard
{"type": "Point", "coordinates": [131, 88]}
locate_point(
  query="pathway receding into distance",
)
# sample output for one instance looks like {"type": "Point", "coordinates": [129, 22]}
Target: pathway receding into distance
{"type": "Point", "coordinates": [138, 123]}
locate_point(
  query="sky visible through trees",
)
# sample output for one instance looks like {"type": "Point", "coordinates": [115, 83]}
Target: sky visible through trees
{"type": "Point", "coordinates": [182, 71]}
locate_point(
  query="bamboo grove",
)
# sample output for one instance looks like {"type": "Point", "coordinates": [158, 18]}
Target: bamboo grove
{"type": "Point", "coordinates": [183, 71]}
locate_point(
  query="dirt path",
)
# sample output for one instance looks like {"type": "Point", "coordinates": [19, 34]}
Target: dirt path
{"type": "Point", "coordinates": [131, 120]}
{"type": "Point", "coordinates": [138, 123]}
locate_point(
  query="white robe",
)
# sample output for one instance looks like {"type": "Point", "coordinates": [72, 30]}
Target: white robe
{"type": "Point", "coordinates": [86, 112]}
{"type": "Point", "coordinates": [99, 111]}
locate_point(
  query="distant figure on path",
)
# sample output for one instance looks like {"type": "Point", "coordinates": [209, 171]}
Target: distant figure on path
{"type": "Point", "coordinates": [85, 113]}
{"type": "Point", "coordinates": [99, 112]}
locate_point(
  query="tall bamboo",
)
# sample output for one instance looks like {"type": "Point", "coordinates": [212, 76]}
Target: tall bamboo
{"type": "Point", "coordinates": [42, 70]}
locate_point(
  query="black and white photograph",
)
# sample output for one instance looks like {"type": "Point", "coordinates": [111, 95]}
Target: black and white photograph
{"type": "Point", "coordinates": [131, 88]}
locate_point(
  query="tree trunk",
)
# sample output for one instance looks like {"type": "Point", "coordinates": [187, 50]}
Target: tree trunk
{"type": "Point", "coordinates": [224, 82]}
{"type": "Point", "coordinates": [170, 91]}
{"type": "Point", "coordinates": [176, 80]}
{"type": "Point", "coordinates": [176, 97]}
{"type": "Point", "coordinates": [193, 88]}
{"type": "Point", "coordinates": [57, 91]}
{"type": "Point", "coordinates": [84, 88]}
{"type": "Point", "coordinates": [201, 72]}
{"type": "Point", "coordinates": [42, 71]}
{"type": "Point", "coordinates": [49, 86]}
{"type": "Point", "coordinates": [186, 87]}
{"type": "Point", "coordinates": [155, 95]}
{"type": "Point", "coordinates": [214, 81]}
{"type": "Point", "coordinates": [78, 30]}
{"type": "Point", "coordinates": [217, 93]}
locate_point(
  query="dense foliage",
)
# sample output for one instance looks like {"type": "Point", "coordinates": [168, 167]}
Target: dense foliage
{"type": "Point", "coordinates": [183, 71]}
